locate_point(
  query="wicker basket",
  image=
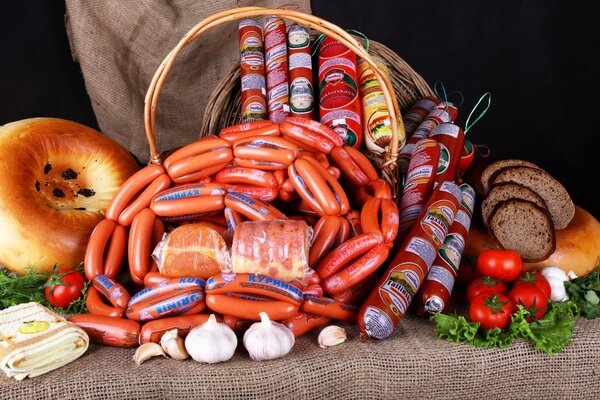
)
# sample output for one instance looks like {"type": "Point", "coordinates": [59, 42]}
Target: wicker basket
{"type": "Point", "coordinates": [403, 87]}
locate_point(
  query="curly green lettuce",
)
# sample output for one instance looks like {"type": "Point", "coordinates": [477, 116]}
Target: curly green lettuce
{"type": "Point", "coordinates": [585, 292]}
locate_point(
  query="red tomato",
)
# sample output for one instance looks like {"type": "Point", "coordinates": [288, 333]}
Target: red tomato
{"type": "Point", "coordinates": [491, 310]}
{"type": "Point", "coordinates": [530, 297]}
{"type": "Point", "coordinates": [64, 286]}
{"type": "Point", "coordinates": [467, 272]}
{"type": "Point", "coordinates": [485, 284]}
{"type": "Point", "coordinates": [502, 264]}
{"type": "Point", "coordinates": [536, 279]}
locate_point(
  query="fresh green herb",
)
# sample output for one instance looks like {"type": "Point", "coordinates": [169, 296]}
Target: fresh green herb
{"type": "Point", "coordinates": [585, 292]}
{"type": "Point", "coordinates": [550, 334]}
{"type": "Point", "coordinates": [23, 289]}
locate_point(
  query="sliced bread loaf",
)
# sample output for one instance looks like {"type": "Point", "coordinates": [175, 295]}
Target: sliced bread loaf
{"type": "Point", "coordinates": [523, 226]}
{"type": "Point", "coordinates": [557, 198]}
{"type": "Point", "coordinates": [506, 191]}
{"type": "Point", "coordinates": [491, 169]}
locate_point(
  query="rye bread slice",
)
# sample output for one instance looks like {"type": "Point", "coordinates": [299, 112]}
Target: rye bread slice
{"type": "Point", "coordinates": [525, 227]}
{"type": "Point", "coordinates": [557, 198]}
{"type": "Point", "coordinates": [506, 191]}
{"type": "Point", "coordinates": [491, 169]}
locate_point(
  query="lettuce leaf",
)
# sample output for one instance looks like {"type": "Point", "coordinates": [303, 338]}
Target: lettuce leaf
{"type": "Point", "coordinates": [550, 334]}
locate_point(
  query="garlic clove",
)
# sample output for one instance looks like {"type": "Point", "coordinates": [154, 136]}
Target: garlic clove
{"type": "Point", "coordinates": [174, 345]}
{"type": "Point", "coordinates": [147, 351]}
{"type": "Point", "coordinates": [331, 335]}
{"type": "Point", "coordinates": [268, 340]}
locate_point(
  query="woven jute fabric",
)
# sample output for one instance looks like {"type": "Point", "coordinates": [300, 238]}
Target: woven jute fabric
{"type": "Point", "coordinates": [412, 364]}
{"type": "Point", "coordinates": [120, 44]}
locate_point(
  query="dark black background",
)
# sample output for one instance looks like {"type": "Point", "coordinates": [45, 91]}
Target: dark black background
{"type": "Point", "coordinates": [539, 59]}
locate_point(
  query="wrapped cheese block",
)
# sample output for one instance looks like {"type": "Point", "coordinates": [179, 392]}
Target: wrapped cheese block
{"type": "Point", "coordinates": [274, 248]}
{"type": "Point", "coordinates": [35, 340]}
{"type": "Point", "coordinates": [192, 250]}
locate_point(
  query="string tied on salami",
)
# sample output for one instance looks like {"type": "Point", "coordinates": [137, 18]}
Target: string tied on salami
{"type": "Point", "coordinates": [469, 125]}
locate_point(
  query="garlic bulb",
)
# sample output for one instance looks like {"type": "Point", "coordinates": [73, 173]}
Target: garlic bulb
{"type": "Point", "coordinates": [211, 342]}
{"type": "Point", "coordinates": [174, 345]}
{"type": "Point", "coordinates": [267, 340]}
{"type": "Point", "coordinates": [147, 351]}
{"type": "Point", "coordinates": [556, 277]}
{"type": "Point", "coordinates": [331, 335]}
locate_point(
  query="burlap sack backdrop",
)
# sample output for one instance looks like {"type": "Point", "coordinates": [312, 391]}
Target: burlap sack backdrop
{"type": "Point", "coordinates": [120, 44]}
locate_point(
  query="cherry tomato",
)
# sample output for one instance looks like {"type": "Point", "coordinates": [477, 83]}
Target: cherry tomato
{"type": "Point", "coordinates": [485, 284]}
{"type": "Point", "coordinates": [467, 272]}
{"type": "Point", "coordinates": [530, 297]}
{"type": "Point", "coordinates": [502, 264]}
{"type": "Point", "coordinates": [536, 279]}
{"type": "Point", "coordinates": [491, 310]}
{"type": "Point", "coordinates": [64, 286]}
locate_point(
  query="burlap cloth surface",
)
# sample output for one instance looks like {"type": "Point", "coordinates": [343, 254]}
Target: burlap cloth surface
{"type": "Point", "coordinates": [120, 44]}
{"type": "Point", "coordinates": [412, 364]}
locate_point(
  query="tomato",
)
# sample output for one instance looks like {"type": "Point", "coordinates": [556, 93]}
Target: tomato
{"type": "Point", "coordinates": [467, 272]}
{"type": "Point", "coordinates": [502, 264]}
{"type": "Point", "coordinates": [491, 310]}
{"type": "Point", "coordinates": [530, 297]}
{"type": "Point", "coordinates": [64, 286]}
{"type": "Point", "coordinates": [536, 279]}
{"type": "Point", "coordinates": [485, 284]}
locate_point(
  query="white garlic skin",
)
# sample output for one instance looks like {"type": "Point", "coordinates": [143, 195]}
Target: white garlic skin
{"type": "Point", "coordinates": [331, 335]}
{"type": "Point", "coordinates": [268, 340]}
{"type": "Point", "coordinates": [211, 342]}
{"type": "Point", "coordinates": [147, 351]}
{"type": "Point", "coordinates": [556, 278]}
{"type": "Point", "coordinates": [174, 345]}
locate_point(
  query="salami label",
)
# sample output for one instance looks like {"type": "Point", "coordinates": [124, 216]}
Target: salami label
{"type": "Point", "coordinates": [377, 323]}
{"type": "Point", "coordinates": [301, 96]}
{"type": "Point", "coordinates": [276, 64]}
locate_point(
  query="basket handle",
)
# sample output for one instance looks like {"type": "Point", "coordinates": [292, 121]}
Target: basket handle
{"type": "Point", "coordinates": [389, 166]}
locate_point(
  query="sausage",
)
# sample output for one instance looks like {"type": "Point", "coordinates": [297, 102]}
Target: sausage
{"type": "Point", "coordinates": [363, 162]}
{"type": "Point", "coordinates": [247, 176]}
{"type": "Point", "coordinates": [110, 331]}
{"type": "Point", "coordinates": [165, 286]}
{"type": "Point", "coordinates": [202, 175]}
{"type": "Point", "coordinates": [265, 152]}
{"type": "Point", "coordinates": [169, 304]}
{"type": "Point", "coordinates": [330, 308]}
{"type": "Point", "coordinates": [139, 246]}
{"type": "Point", "coordinates": [233, 218]}
{"type": "Point", "coordinates": [313, 289]}
{"type": "Point", "coordinates": [355, 294]}
{"type": "Point", "coordinates": [143, 200]}
{"type": "Point", "coordinates": [303, 323]}
{"type": "Point", "coordinates": [93, 264]}
{"type": "Point", "coordinates": [189, 190]}
{"type": "Point", "coordinates": [419, 183]}
{"type": "Point", "coordinates": [329, 232]}
{"type": "Point", "coordinates": [322, 166]}
{"type": "Point", "coordinates": [266, 194]}
{"type": "Point", "coordinates": [187, 208]}
{"type": "Point", "coordinates": [356, 272]}
{"type": "Point", "coordinates": [443, 112]}
{"type": "Point", "coordinates": [249, 306]}
{"type": "Point", "coordinates": [380, 216]}
{"type": "Point", "coordinates": [339, 100]}
{"type": "Point", "coordinates": [318, 128]}
{"type": "Point", "coordinates": [252, 208]}
{"type": "Point", "coordinates": [417, 113]}
{"type": "Point", "coordinates": [96, 305]}
{"type": "Point", "coordinates": [130, 188]}
{"type": "Point", "coordinates": [114, 292]}
{"type": "Point", "coordinates": [307, 139]}
{"type": "Point", "coordinates": [300, 68]}
{"type": "Point", "coordinates": [346, 252]}
{"type": "Point", "coordinates": [153, 331]}
{"type": "Point", "coordinates": [154, 277]}
{"type": "Point", "coordinates": [239, 325]}
{"type": "Point", "coordinates": [451, 139]}
{"type": "Point", "coordinates": [434, 294]}
{"type": "Point", "coordinates": [387, 304]}
{"type": "Point", "coordinates": [349, 167]}
{"type": "Point", "coordinates": [252, 71]}
{"type": "Point", "coordinates": [276, 66]}
{"type": "Point", "coordinates": [255, 285]}
{"type": "Point", "coordinates": [195, 157]}
{"type": "Point", "coordinates": [353, 217]}
{"type": "Point", "coordinates": [376, 188]}
{"type": "Point", "coordinates": [115, 252]}
{"type": "Point", "coordinates": [260, 128]}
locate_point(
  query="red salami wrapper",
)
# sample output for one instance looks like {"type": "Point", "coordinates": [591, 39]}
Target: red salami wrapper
{"type": "Point", "coordinates": [302, 101]}
{"type": "Point", "coordinates": [276, 63]}
{"type": "Point", "coordinates": [252, 71]}
{"type": "Point", "coordinates": [339, 101]}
